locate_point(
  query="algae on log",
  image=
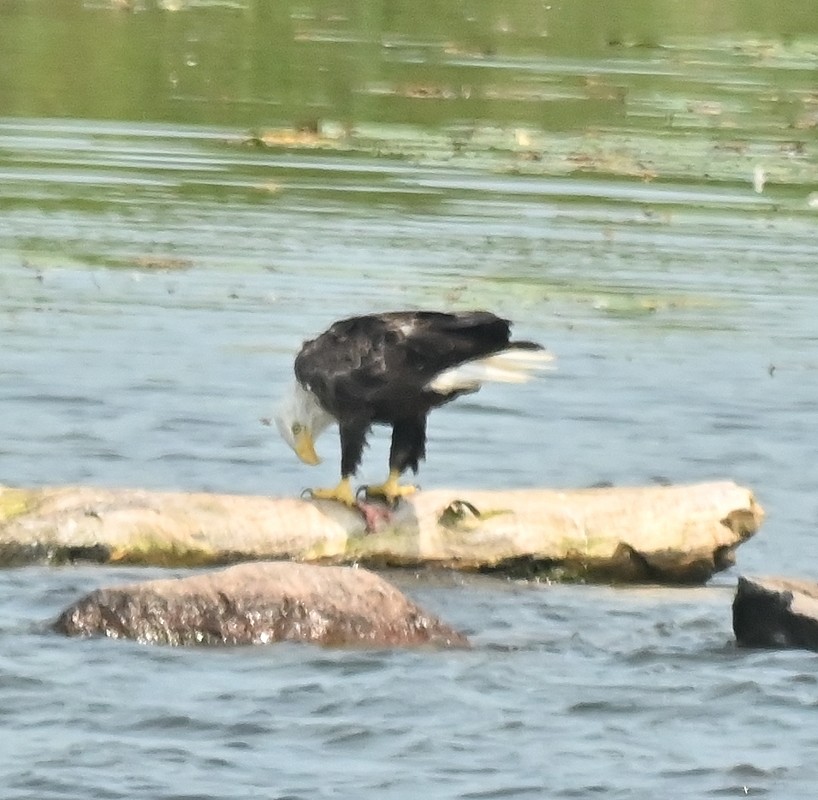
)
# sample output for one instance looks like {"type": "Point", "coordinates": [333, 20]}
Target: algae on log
{"type": "Point", "coordinates": [664, 534]}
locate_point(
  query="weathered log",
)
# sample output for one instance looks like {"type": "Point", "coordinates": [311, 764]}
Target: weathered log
{"type": "Point", "coordinates": [259, 604]}
{"type": "Point", "coordinates": [776, 612]}
{"type": "Point", "coordinates": [665, 534]}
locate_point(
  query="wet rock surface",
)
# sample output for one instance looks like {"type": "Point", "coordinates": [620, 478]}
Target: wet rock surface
{"type": "Point", "coordinates": [776, 612]}
{"type": "Point", "coordinates": [260, 603]}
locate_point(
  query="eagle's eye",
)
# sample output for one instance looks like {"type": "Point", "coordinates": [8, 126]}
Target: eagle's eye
{"type": "Point", "coordinates": [297, 428]}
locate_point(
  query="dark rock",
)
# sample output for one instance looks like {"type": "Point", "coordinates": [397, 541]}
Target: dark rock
{"type": "Point", "coordinates": [260, 603]}
{"type": "Point", "coordinates": [775, 612]}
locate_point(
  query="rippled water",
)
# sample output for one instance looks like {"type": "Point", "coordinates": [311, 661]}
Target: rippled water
{"type": "Point", "coordinates": [569, 692]}
{"type": "Point", "coordinates": [156, 279]}
{"type": "Point", "coordinates": [685, 346]}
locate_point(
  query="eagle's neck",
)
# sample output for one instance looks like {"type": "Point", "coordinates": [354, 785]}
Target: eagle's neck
{"type": "Point", "coordinates": [308, 409]}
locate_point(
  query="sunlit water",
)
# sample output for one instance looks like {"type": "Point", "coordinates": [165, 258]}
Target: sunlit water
{"type": "Point", "coordinates": [685, 345]}
{"type": "Point", "coordinates": [155, 282]}
{"type": "Point", "coordinates": [569, 692]}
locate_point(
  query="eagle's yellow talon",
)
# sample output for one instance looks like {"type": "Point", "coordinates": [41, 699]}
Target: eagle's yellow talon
{"type": "Point", "coordinates": [342, 493]}
{"type": "Point", "coordinates": [390, 489]}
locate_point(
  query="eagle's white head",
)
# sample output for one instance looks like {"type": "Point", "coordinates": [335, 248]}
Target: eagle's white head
{"type": "Point", "coordinates": [300, 421]}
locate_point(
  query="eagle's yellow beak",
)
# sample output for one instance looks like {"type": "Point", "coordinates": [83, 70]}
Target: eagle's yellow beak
{"type": "Point", "coordinates": [305, 447]}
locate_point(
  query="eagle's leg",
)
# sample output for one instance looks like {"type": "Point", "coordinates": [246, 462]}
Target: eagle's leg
{"type": "Point", "coordinates": [353, 441]}
{"type": "Point", "coordinates": [408, 448]}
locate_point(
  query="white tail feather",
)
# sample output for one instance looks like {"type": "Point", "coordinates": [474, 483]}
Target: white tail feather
{"type": "Point", "coordinates": [507, 366]}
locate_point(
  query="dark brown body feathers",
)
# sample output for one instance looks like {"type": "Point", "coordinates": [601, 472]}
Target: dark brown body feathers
{"type": "Point", "coordinates": [377, 369]}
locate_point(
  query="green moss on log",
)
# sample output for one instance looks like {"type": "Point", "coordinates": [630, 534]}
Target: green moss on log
{"type": "Point", "coordinates": [16, 502]}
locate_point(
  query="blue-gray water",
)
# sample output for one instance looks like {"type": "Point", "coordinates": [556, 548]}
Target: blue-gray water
{"type": "Point", "coordinates": [570, 692]}
{"type": "Point", "coordinates": [684, 321]}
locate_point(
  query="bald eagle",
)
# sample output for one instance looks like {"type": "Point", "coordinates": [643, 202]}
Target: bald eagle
{"type": "Point", "coordinates": [393, 369]}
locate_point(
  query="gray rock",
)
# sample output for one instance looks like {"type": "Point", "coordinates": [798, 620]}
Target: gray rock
{"type": "Point", "coordinates": [775, 612]}
{"type": "Point", "coordinates": [260, 603]}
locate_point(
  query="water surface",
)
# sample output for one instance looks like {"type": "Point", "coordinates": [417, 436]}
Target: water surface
{"type": "Point", "coordinates": [215, 182]}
